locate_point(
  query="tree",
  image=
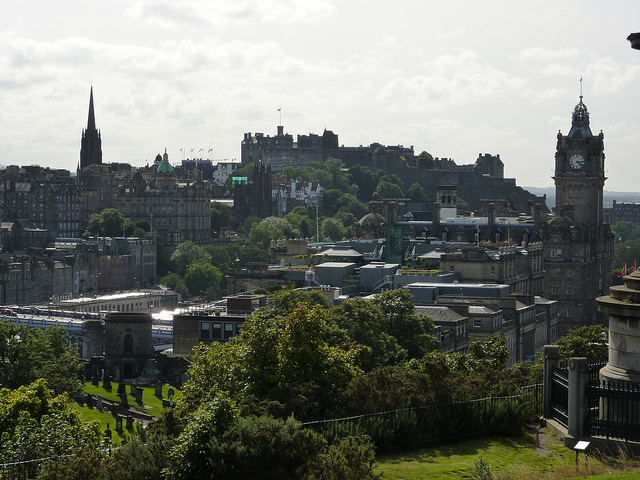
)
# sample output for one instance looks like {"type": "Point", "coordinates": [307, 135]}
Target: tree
{"type": "Point", "coordinates": [366, 182]}
{"type": "Point", "coordinates": [416, 193]}
{"type": "Point", "coordinates": [590, 342]}
{"type": "Point", "coordinates": [34, 423]}
{"type": "Point", "coordinates": [387, 189]}
{"type": "Point", "coordinates": [271, 228]}
{"type": "Point", "coordinates": [625, 231]}
{"type": "Point", "coordinates": [626, 253]}
{"type": "Point", "coordinates": [200, 276]}
{"type": "Point", "coordinates": [170, 281]}
{"type": "Point", "coordinates": [110, 223]}
{"type": "Point", "coordinates": [220, 216]}
{"type": "Point", "coordinates": [220, 257]}
{"type": "Point", "coordinates": [27, 354]}
{"type": "Point", "coordinates": [425, 160]}
{"type": "Point", "coordinates": [186, 253]}
{"type": "Point", "coordinates": [332, 229]}
{"type": "Point", "coordinates": [287, 300]}
{"type": "Point", "coordinates": [196, 454]}
{"type": "Point", "coordinates": [387, 324]}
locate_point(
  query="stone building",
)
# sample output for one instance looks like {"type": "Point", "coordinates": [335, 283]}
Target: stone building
{"type": "Point", "coordinates": [176, 210]}
{"type": "Point", "coordinates": [127, 343]}
{"type": "Point", "coordinates": [578, 244]}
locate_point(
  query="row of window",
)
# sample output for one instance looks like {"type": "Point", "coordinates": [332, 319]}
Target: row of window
{"type": "Point", "coordinates": [219, 330]}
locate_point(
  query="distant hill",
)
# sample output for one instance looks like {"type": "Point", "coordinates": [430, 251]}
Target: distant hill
{"type": "Point", "coordinates": [608, 196]}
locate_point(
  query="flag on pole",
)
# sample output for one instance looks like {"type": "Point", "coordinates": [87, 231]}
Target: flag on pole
{"type": "Point", "coordinates": [632, 269]}
{"type": "Point", "coordinates": [623, 272]}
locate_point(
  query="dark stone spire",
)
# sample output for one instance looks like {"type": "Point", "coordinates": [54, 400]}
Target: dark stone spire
{"type": "Point", "coordinates": [580, 121]}
{"type": "Point", "coordinates": [91, 144]}
{"type": "Point", "coordinates": [91, 123]}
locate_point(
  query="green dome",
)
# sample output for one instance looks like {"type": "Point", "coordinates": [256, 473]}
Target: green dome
{"type": "Point", "coordinates": [165, 167]}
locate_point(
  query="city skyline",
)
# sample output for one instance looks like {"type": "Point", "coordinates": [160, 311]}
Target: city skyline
{"type": "Point", "coordinates": [453, 78]}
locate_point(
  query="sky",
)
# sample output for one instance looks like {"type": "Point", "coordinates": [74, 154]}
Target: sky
{"type": "Point", "coordinates": [454, 78]}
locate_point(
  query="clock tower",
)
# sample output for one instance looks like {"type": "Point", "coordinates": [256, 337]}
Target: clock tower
{"type": "Point", "coordinates": [578, 246]}
{"type": "Point", "coordinates": [579, 174]}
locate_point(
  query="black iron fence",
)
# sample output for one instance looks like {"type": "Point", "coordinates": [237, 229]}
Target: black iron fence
{"type": "Point", "coordinates": [613, 410]}
{"type": "Point", "coordinates": [421, 425]}
{"type": "Point", "coordinates": [560, 395]}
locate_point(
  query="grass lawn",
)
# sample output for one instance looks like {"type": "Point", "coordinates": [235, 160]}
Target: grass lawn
{"type": "Point", "coordinates": [508, 458]}
{"type": "Point", "coordinates": [151, 405]}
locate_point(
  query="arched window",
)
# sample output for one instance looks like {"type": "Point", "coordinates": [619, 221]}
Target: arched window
{"type": "Point", "coordinates": [128, 344]}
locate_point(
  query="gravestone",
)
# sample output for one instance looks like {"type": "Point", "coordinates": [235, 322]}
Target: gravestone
{"type": "Point", "coordinates": [170, 393]}
{"type": "Point", "coordinates": [139, 392]}
{"type": "Point", "coordinates": [99, 403]}
{"type": "Point", "coordinates": [95, 381]}
{"type": "Point", "coordinates": [106, 380]}
{"type": "Point", "coordinates": [134, 387]}
{"type": "Point", "coordinates": [129, 422]}
{"type": "Point", "coordinates": [107, 432]}
{"type": "Point", "coordinates": [122, 389]}
{"type": "Point", "coordinates": [118, 423]}
{"type": "Point", "coordinates": [89, 401]}
{"type": "Point", "coordinates": [124, 401]}
{"type": "Point", "coordinates": [159, 389]}
{"type": "Point", "coordinates": [166, 403]}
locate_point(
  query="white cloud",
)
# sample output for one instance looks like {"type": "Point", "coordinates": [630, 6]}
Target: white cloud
{"type": "Point", "coordinates": [541, 54]}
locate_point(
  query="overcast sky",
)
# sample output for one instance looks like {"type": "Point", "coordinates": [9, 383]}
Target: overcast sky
{"type": "Point", "coordinates": [454, 78]}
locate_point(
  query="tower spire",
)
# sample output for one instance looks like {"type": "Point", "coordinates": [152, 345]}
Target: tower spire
{"type": "Point", "coordinates": [91, 144]}
{"type": "Point", "coordinates": [91, 123]}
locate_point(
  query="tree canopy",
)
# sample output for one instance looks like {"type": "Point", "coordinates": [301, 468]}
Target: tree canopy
{"type": "Point", "coordinates": [111, 223]}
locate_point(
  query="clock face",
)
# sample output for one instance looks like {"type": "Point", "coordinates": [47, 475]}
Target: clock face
{"type": "Point", "coordinates": [576, 162]}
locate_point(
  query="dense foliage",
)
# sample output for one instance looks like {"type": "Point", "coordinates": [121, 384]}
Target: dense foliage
{"type": "Point", "coordinates": [28, 354]}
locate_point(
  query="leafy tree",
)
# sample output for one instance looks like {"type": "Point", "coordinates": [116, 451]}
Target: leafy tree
{"type": "Point", "coordinates": [196, 454]}
{"type": "Point", "coordinates": [462, 206]}
{"type": "Point", "coordinates": [387, 189]}
{"type": "Point", "coordinates": [274, 356]}
{"type": "Point", "coordinates": [287, 300]}
{"type": "Point", "coordinates": [590, 342]}
{"type": "Point", "coordinates": [111, 223]}
{"type": "Point", "coordinates": [626, 253]}
{"type": "Point", "coordinates": [365, 181]}
{"type": "Point", "coordinates": [186, 253]}
{"type": "Point", "coordinates": [332, 229]}
{"type": "Point", "coordinates": [416, 193]}
{"type": "Point", "coordinates": [246, 252]}
{"type": "Point", "coordinates": [425, 160]}
{"type": "Point", "coordinates": [200, 276]}
{"type": "Point", "coordinates": [220, 257]}
{"type": "Point", "coordinates": [271, 228]}
{"type": "Point", "coordinates": [387, 324]}
{"type": "Point", "coordinates": [171, 280]}
{"type": "Point", "coordinates": [220, 216]}
{"type": "Point", "coordinates": [27, 354]}
{"type": "Point", "coordinates": [625, 231]}
{"type": "Point", "coordinates": [36, 424]}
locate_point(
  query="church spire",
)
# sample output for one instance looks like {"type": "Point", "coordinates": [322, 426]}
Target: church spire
{"type": "Point", "coordinates": [91, 144]}
{"type": "Point", "coordinates": [91, 123]}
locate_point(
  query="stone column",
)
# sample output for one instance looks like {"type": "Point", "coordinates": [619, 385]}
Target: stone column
{"type": "Point", "coordinates": [551, 359]}
{"type": "Point", "coordinates": [577, 409]}
{"type": "Point", "coordinates": [623, 307]}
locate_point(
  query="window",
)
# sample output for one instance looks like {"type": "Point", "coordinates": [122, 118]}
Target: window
{"type": "Point", "coordinates": [477, 322]}
{"type": "Point", "coordinates": [493, 270]}
{"type": "Point", "coordinates": [205, 328]}
{"type": "Point", "coordinates": [216, 330]}
{"type": "Point", "coordinates": [228, 331]}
